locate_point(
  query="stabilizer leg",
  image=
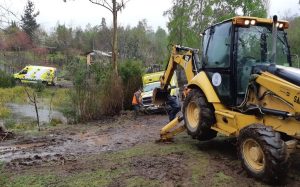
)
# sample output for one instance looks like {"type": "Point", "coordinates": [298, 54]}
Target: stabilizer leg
{"type": "Point", "coordinates": [168, 132]}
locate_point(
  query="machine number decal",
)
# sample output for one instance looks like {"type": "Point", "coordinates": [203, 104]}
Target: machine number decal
{"type": "Point", "coordinates": [216, 79]}
{"type": "Point", "coordinates": [297, 99]}
{"type": "Point", "coordinates": [187, 58]}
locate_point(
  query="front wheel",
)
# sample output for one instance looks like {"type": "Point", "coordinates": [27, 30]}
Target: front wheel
{"type": "Point", "coordinates": [263, 153]}
{"type": "Point", "coordinates": [199, 116]}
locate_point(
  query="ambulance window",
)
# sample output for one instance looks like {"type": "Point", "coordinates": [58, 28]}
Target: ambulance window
{"type": "Point", "coordinates": [23, 71]}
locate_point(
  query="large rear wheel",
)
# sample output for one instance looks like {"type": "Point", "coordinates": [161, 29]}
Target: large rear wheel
{"type": "Point", "coordinates": [263, 153]}
{"type": "Point", "coordinates": [199, 116]}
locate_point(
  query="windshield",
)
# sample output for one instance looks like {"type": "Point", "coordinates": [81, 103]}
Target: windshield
{"type": "Point", "coordinates": [151, 86]}
{"type": "Point", "coordinates": [255, 43]}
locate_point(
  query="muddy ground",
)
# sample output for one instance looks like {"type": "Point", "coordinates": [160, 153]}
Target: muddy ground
{"type": "Point", "coordinates": [122, 152]}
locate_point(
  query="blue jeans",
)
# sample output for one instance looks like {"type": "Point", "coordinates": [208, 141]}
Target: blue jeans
{"type": "Point", "coordinates": [174, 107]}
{"type": "Point", "coordinates": [136, 109]}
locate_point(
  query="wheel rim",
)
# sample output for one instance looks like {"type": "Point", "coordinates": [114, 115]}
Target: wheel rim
{"type": "Point", "coordinates": [253, 155]}
{"type": "Point", "coordinates": [193, 114]}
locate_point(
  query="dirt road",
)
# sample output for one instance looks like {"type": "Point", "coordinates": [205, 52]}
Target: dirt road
{"type": "Point", "coordinates": [122, 152]}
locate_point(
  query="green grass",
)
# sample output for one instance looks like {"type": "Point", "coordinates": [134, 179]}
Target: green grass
{"type": "Point", "coordinates": [220, 179]}
{"type": "Point", "coordinates": [60, 100]}
{"type": "Point", "coordinates": [13, 95]}
{"type": "Point", "coordinates": [197, 166]}
{"type": "Point", "coordinates": [27, 124]}
{"type": "Point", "coordinates": [141, 181]}
{"type": "Point", "coordinates": [4, 112]}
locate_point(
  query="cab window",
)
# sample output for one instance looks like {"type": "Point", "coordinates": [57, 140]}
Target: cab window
{"type": "Point", "coordinates": [218, 46]}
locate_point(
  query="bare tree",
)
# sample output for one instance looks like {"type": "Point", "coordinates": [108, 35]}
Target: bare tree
{"type": "Point", "coordinates": [114, 7]}
{"type": "Point", "coordinates": [266, 4]}
{"type": "Point", "coordinates": [7, 15]}
{"type": "Point", "coordinates": [50, 104]}
{"type": "Point", "coordinates": [32, 96]}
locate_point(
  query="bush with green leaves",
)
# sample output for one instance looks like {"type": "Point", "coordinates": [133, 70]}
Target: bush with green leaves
{"type": "Point", "coordinates": [6, 80]}
{"type": "Point", "coordinates": [97, 92]}
{"type": "Point", "coordinates": [131, 72]}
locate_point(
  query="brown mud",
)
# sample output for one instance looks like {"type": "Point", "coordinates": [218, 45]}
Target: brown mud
{"type": "Point", "coordinates": [108, 135]}
{"type": "Point", "coordinates": [70, 146]}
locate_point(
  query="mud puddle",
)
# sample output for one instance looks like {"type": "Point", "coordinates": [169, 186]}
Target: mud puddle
{"type": "Point", "coordinates": [19, 111]}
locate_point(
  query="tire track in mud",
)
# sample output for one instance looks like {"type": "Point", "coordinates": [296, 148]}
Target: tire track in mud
{"type": "Point", "coordinates": [67, 144]}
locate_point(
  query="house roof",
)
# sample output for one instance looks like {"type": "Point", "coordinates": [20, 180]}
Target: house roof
{"type": "Point", "coordinates": [99, 53]}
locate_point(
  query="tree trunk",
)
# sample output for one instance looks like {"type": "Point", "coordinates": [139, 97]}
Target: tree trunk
{"type": "Point", "coordinates": [36, 111]}
{"type": "Point", "coordinates": [115, 44]}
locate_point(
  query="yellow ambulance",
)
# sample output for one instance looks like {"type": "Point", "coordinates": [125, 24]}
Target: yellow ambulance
{"type": "Point", "coordinates": [34, 74]}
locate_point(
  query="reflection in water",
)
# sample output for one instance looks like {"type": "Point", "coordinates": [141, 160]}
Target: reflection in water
{"type": "Point", "coordinates": [20, 111]}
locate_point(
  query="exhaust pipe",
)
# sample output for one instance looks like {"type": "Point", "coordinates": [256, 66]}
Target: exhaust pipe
{"type": "Point", "coordinates": [272, 67]}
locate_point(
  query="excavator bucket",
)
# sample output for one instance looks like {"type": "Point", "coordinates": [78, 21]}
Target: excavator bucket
{"type": "Point", "coordinates": [160, 96]}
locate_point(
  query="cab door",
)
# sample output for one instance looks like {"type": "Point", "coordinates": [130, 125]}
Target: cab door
{"type": "Point", "coordinates": [217, 58]}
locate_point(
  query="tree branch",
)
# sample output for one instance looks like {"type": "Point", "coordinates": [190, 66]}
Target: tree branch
{"type": "Point", "coordinates": [9, 12]}
{"type": "Point", "coordinates": [103, 4]}
{"type": "Point", "coordinates": [122, 5]}
{"type": "Point", "coordinates": [28, 95]}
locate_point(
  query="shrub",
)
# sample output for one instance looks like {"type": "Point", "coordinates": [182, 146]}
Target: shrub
{"type": "Point", "coordinates": [6, 80]}
{"type": "Point", "coordinates": [131, 72]}
{"type": "Point", "coordinates": [96, 92]}
{"type": "Point", "coordinates": [39, 86]}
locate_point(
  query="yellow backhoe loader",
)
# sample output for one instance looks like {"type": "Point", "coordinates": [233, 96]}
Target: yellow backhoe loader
{"type": "Point", "coordinates": [244, 86]}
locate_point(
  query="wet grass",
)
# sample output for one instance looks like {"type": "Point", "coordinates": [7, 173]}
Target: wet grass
{"type": "Point", "coordinates": [59, 96]}
{"type": "Point", "coordinates": [10, 95]}
{"type": "Point", "coordinates": [26, 124]}
{"type": "Point", "coordinates": [13, 95]}
{"type": "Point", "coordinates": [4, 112]}
{"type": "Point", "coordinates": [221, 179]}
{"type": "Point", "coordinates": [141, 181]}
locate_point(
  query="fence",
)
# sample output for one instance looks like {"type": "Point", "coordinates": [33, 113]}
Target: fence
{"type": "Point", "coordinates": [8, 69]}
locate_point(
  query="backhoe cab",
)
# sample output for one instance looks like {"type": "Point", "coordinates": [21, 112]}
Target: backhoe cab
{"type": "Point", "coordinates": [244, 86]}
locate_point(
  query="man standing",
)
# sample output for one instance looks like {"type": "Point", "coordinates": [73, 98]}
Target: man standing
{"type": "Point", "coordinates": [136, 102]}
{"type": "Point", "coordinates": [173, 106]}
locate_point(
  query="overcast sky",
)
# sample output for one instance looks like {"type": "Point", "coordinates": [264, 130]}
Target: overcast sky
{"type": "Point", "coordinates": [81, 12]}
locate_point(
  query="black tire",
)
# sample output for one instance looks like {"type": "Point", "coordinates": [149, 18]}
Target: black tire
{"type": "Point", "coordinates": [267, 158]}
{"type": "Point", "coordinates": [199, 116]}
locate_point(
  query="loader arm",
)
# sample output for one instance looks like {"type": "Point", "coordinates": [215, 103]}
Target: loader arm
{"type": "Point", "coordinates": [188, 59]}
{"type": "Point", "coordinates": [185, 57]}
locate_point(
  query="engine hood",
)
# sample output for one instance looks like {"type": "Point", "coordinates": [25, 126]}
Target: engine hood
{"type": "Point", "coordinates": [147, 94]}
{"type": "Point", "coordinates": [288, 73]}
